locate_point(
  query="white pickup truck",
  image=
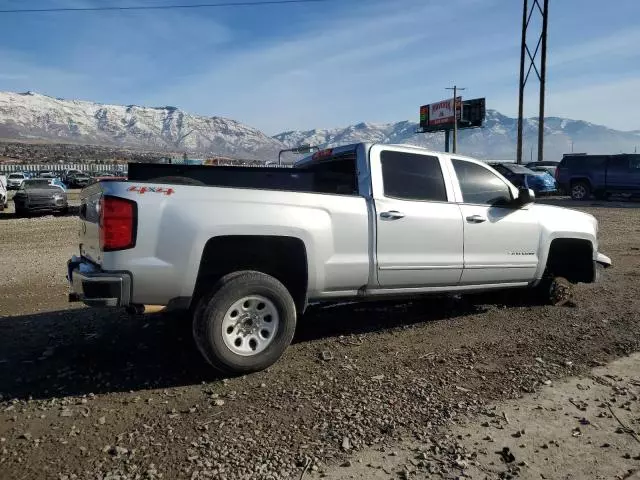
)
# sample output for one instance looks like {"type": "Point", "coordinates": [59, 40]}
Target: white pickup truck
{"type": "Point", "coordinates": [247, 249]}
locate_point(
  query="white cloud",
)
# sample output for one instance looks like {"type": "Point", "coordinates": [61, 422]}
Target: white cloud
{"type": "Point", "coordinates": [613, 103]}
{"type": "Point", "coordinates": [377, 61]}
{"type": "Point", "coordinates": [346, 68]}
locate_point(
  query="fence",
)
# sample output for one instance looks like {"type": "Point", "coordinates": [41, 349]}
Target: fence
{"type": "Point", "coordinates": [97, 168]}
{"type": "Point", "coordinates": [83, 167]}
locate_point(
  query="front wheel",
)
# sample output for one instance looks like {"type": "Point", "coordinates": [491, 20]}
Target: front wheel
{"type": "Point", "coordinates": [557, 291]}
{"type": "Point", "coordinates": [245, 323]}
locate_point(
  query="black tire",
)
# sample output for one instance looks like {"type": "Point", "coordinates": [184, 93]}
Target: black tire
{"type": "Point", "coordinates": [21, 212]}
{"type": "Point", "coordinates": [211, 310]}
{"type": "Point", "coordinates": [557, 291]}
{"type": "Point", "coordinates": [580, 190]}
{"type": "Point", "coordinates": [178, 180]}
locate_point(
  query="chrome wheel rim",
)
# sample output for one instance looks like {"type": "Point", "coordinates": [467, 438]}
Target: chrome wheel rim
{"type": "Point", "coordinates": [250, 325]}
{"type": "Point", "coordinates": [579, 192]}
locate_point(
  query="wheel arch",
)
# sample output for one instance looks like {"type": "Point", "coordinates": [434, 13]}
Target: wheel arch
{"type": "Point", "coordinates": [571, 258]}
{"type": "Point", "coordinates": [283, 257]}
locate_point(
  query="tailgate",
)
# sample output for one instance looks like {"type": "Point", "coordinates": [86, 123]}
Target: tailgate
{"type": "Point", "coordinates": [89, 234]}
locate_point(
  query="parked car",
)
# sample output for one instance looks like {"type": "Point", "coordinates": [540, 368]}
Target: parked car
{"type": "Point", "coordinates": [38, 195]}
{"type": "Point", "coordinates": [47, 174]}
{"type": "Point", "coordinates": [66, 174]}
{"type": "Point", "coordinates": [79, 180]}
{"type": "Point", "coordinates": [14, 180]}
{"type": "Point", "coordinates": [523, 177]}
{"type": "Point", "coordinates": [600, 175]}
{"type": "Point", "coordinates": [545, 165]}
{"type": "Point", "coordinates": [358, 222]}
{"type": "Point", "coordinates": [4, 194]}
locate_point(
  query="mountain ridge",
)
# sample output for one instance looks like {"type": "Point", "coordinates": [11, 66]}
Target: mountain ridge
{"type": "Point", "coordinates": [495, 140]}
{"type": "Point", "coordinates": [34, 116]}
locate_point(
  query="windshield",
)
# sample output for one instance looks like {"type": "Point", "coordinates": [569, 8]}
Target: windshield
{"type": "Point", "coordinates": [16, 175]}
{"type": "Point", "coordinates": [519, 169]}
{"type": "Point", "coordinates": [39, 184]}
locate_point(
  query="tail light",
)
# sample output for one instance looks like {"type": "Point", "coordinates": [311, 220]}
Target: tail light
{"type": "Point", "coordinates": [118, 223]}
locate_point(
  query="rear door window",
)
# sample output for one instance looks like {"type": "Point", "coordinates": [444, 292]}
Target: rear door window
{"type": "Point", "coordinates": [619, 163]}
{"type": "Point", "coordinates": [412, 176]}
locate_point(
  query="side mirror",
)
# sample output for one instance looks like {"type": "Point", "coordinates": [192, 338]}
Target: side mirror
{"type": "Point", "coordinates": [525, 196]}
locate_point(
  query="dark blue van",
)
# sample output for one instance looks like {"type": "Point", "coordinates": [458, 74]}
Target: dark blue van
{"type": "Point", "coordinates": [601, 175]}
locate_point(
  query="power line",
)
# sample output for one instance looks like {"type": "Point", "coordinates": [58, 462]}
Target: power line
{"type": "Point", "coordinates": [161, 7]}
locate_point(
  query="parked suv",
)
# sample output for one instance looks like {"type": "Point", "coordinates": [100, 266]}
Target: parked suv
{"type": "Point", "coordinates": [14, 181]}
{"type": "Point", "coordinates": [600, 175]}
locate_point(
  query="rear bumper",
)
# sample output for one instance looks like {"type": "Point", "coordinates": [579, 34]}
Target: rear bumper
{"type": "Point", "coordinates": [95, 287]}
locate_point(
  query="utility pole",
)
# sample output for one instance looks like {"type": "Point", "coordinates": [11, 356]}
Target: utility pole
{"type": "Point", "coordinates": [455, 116]}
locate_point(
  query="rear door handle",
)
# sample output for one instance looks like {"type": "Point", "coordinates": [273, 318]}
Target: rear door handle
{"type": "Point", "coordinates": [392, 215]}
{"type": "Point", "coordinates": [476, 219]}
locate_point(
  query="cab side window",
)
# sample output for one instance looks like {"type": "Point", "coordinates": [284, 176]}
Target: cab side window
{"type": "Point", "coordinates": [479, 185]}
{"type": "Point", "coordinates": [411, 176]}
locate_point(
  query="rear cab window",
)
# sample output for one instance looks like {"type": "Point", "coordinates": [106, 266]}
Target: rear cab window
{"type": "Point", "coordinates": [336, 174]}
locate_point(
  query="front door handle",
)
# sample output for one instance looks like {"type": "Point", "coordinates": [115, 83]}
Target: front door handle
{"type": "Point", "coordinates": [476, 219]}
{"type": "Point", "coordinates": [392, 215]}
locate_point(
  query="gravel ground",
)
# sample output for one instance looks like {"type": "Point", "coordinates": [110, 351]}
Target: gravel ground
{"type": "Point", "coordinates": [100, 395]}
{"type": "Point", "coordinates": [584, 427]}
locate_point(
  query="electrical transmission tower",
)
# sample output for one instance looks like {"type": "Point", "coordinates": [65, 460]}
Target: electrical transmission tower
{"type": "Point", "coordinates": [540, 71]}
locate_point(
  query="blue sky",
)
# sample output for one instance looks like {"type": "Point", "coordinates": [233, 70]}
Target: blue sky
{"type": "Point", "coordinates": [326, 65]}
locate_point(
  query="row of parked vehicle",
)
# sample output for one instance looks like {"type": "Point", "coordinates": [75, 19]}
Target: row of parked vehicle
{"type": "Point", "coordinates": [45, 191]}
{"type": "Point", "coordinates": [579, 175]}
{"type": "Point", "coordinates": [66, 179]}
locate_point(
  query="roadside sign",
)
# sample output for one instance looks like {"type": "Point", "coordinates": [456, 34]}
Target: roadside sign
{"type": "Point", "coordinates": [436, 117]}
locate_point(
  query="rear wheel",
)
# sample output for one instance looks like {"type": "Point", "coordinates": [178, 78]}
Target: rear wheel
{"type": "Point", "coordinates": [245, 323]}
{"type": "Point", "coordinates": [580, 190]}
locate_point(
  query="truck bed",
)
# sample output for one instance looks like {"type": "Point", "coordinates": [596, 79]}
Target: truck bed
{"type": "Point", "coordinates": [343, 181]}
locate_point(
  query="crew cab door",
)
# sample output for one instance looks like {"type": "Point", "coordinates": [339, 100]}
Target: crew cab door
{"type": "Point", "coordinates": [418, 229]}
{"type": "Point", "coordinates": [623, 173]}
{"type": "Point", "coordinates": [500, 239]}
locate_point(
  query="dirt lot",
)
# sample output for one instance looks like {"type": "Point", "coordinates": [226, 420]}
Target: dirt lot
{"type": "Point", "coordinates": [100, 395]}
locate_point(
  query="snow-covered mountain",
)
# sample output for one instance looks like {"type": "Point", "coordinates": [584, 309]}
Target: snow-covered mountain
{"type": "Point", "coordinates": [496, 140]}
{"type": "Point", "coordinates": [35, 116]}
{"type": "Point", "coordinates": [29, 116]}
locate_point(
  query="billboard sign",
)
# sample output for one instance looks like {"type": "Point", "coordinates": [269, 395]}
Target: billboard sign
{"type": "Point", "coordinates": [439, 116]}
{"type": "Point", "coordinates": [442, 112]}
